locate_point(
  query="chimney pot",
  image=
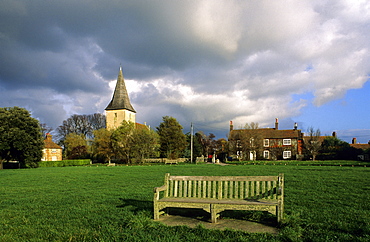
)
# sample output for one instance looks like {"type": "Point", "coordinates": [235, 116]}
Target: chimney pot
{"type": "Point", "coordinates": [276, 123]}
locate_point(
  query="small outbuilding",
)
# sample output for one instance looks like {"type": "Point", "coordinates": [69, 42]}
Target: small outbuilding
{"type": "Point", "coordinates": [51, 151]}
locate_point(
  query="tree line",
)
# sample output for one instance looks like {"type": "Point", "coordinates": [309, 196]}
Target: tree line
{"type": "Point", "coordinates": [131, 143]}
{"type": "Point", "coordinates": [85, 136]}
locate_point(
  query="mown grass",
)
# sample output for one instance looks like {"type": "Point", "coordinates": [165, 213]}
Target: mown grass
{"type": "Point", "coordinates": [322, 203]}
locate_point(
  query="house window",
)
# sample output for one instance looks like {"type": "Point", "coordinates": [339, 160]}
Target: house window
{"type": "Point", "coordinates": [287, 141]}
{"type": "Point", "coordinates": [266, 143]}
{"type": "Point", "coordinates": [53, 151]}
{"type": "Point", "coordinates": [287, 154]}
{"type": "Point", "coordinates": [266, 154]}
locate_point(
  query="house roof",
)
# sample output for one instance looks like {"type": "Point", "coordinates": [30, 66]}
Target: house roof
{"type": "Point", "coordinates": [361, 146]}
{"type": "Point", "coordinates": [49, 144]}
{"type": "Point", "coordinates": [270, 133]}
{"type": "Point", "coordinates": [120, 99]}
{"type": "Point", "coordinates": [320, 138]}
{"type": "Point", "coordinates": [140, 126]}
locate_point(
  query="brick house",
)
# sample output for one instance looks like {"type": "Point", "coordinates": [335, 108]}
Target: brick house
{"type": "Point", "coordinates": [266, 143]}
{"type": "Point", "coordinates": [363, 148]}
{"type": "Point", "coordinates": [51, 151]}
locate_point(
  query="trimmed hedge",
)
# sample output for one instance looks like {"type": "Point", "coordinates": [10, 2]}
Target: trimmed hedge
{"type": "Point", "coordinates": [62, 163]}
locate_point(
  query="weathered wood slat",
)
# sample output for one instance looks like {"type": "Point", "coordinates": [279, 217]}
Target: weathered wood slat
{"type": "Point", "coordinates": [186, 188]}
{"type": "Point", "coordinates": [195, 189]}
{"type": "Point", "coordinates": [247, 195]}
{"type": "Point", "coordinates": [219, 190]}
{"type": "Point", "coordinates": [175, 188]}
{"type": "Point", "coordinates": [180, 188]}
{"type": "Point", "coordinates": [199, 189]}
{"type": "Point", "coordinates": [170, 189]}
{"type": "Point", "coordinates": [189, 188]}
{"type": "Point", "coordinates": [242, 195]}
{"type": "Point", "coordinates": [226, 189]}
{"type": "Point", "coordinates": [204, 189]}
{"type": "Point", "coordinates": [252, 189]}
{"type": "Point", "coordinates": [214, 187]}
{"type": "Point", "coordinates": [209, 186]}
{"type": "Point", "coordinates": [231, 186]}
{"type": "Point", "coordinates": [224, 178]}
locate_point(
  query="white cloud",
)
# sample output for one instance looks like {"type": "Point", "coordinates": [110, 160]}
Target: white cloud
{"type": "Point", "coordinates": [217, 24]}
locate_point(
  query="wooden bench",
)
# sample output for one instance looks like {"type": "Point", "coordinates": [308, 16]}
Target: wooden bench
{"type": "Point", "coordinates": [171, 162]}
{"type": "Point", "coordinates": [215, 194]}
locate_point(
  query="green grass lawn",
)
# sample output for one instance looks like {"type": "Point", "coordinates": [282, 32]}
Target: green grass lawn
{"type": "Point", "coordinates": [322, 203]}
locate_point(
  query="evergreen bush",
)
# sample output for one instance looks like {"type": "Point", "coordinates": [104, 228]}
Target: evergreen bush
{"type": "Point", "coordinates": [63, 163]}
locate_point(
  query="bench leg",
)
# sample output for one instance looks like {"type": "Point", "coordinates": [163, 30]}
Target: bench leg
{"type": "Point", "coordinates": [279, 212]}
{"type": "Point", "coordinates": [156, 211]}
{"type": "Point", "coordinates": [156, 214]}
{"type": "Point", "coordinates": [213, 214]}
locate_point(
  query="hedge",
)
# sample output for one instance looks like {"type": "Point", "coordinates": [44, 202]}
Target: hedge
{"type": "Point", "coordinates": [64, 163]}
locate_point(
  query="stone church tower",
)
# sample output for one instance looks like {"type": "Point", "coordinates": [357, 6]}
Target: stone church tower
{"type": "Point", "coordinates": [119, 108]}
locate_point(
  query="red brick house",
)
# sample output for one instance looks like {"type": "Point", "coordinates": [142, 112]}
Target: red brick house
{"type": "Point", "coordinates": [51, 151]}
{"type": "Point", "coordinates": [363, 147]}
{"type": "Point", "coordinates": [266, 143]}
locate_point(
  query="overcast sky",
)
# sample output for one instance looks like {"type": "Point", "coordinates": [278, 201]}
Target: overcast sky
{"type": "Point", "coordinates": [206, 62]}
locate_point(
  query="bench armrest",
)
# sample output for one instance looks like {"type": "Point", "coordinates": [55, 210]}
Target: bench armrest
{"type": "Point", "coordinates": [162, 188]}
{"type": "Point", "coordinates": [157, 190]}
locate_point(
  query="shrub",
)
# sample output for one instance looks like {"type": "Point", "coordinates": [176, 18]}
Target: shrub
{"type": "Point", "coordinates": [65, 163]}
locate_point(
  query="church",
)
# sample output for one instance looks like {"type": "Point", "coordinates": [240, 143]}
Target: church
{"type": "Point", "coordinates": [120, 109]}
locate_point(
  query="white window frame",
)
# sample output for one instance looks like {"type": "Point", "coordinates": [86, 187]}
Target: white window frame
{"type": "Point", "coordinates": [287, 142]}
{"type": "Point", "coordinates": [287, 154]}
{"type": "Point", "coordinates": [266, 142]}
{"type": "Point", "coordinates": [266, 154]}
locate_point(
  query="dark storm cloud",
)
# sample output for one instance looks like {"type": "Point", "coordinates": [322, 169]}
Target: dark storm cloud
{"type": "Point", "coordinates": [206, 61]}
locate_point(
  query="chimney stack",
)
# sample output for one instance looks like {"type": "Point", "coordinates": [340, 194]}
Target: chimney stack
{"type": "Point", "coordinates": [49, 137]}
{"type": "Point", "coordinates": [295, 126]}
{"type": "Point", "coordinates": [231, 125]}
{"type": "Point", "coordinates": [276, 123]}
{"type": "Point", "coordinates": [354, 141]}
{"type": "Point", "coordinates": [334, 134]}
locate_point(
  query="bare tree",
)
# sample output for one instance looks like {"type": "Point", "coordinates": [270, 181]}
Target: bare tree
{"type": "Point", "coordinates": [45, 129]}
{"type": "Point", "coordinates": [81, 125]}
{"type": "Point", "coordinates": [97, 121]}
{"type": "Point", "coordinates": [313, 142]}
{"type": "Point", "coordinates": [250, 140]}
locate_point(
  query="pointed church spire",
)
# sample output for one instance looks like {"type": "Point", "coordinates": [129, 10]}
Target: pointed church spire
{"type": "Point", "coordinates": [120, 98]}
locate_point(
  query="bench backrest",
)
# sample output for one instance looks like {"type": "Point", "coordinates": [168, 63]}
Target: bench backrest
{"type": "Point", "coordinates": [225, 187]}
